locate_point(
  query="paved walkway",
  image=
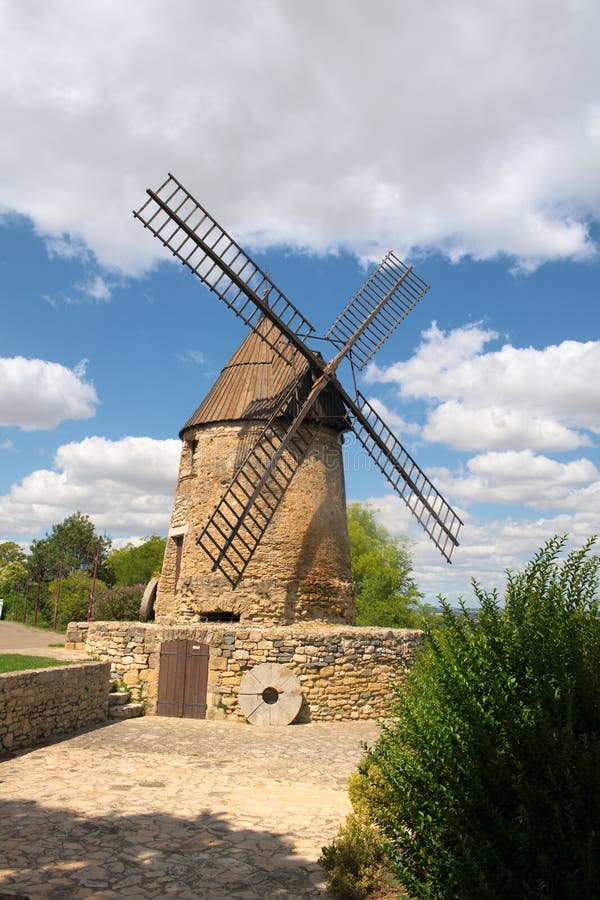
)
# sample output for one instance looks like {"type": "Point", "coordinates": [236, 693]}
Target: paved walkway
{"type": "Point", "coordinates": [17, 638]}
{"type": "Point", "coordinates": [157, 807]}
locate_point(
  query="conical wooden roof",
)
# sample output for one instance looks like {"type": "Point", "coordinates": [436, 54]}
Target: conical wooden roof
{"type": "Point", "coordinates": [253, 381]}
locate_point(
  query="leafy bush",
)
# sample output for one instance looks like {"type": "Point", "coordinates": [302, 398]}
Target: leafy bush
{"type": "Point", "coordinates": [488, 775]}
{"type": "Point", "coordinates": [355, 862]}
{"type": "Point", "coordinates": [120, 603]}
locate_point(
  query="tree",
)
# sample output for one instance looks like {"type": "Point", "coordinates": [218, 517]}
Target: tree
{"type": "Point", "coordinates": [386, 592]}
{"type": "Point", "coordinates": [486, 781]}
{"type": "Point", "coordinates": [13, 576]}
{"type": "Point", "coordinates": [10, 552]}
{"type": "Point", "coordinates": [71, 546]}
{"type": "Point", "coordinates": [137, 564]}
{"type": "Point", "coordinates": [74, 599]}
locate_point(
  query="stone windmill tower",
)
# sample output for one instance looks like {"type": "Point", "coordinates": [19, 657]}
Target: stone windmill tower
{"type": "Point", "coordinates": [259, 529]}
{"type": "Point", "coordinates": [301, 568]}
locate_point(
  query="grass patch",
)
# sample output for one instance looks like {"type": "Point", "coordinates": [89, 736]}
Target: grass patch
{"type": "Point", "coordinates": [56, 645]}
{"type": "Point", "coordinates": [17, 662]}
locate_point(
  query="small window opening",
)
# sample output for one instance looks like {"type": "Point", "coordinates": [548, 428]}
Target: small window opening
{"type": "Point", "coordinates": [220, 615]}
{"type": "Point", "coordinates": [178, 555]}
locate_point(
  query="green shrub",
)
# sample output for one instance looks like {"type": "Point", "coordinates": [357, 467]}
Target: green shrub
{"type": "Point", "coordinates": [120, 603]}
{"type": "Point", "coordinates": [488, 781]}
{"type": "Point", "coordinates": [355, 862]}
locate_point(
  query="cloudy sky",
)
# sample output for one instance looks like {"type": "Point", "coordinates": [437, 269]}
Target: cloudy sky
{"type": "Point", "coordinates": [466, 136]}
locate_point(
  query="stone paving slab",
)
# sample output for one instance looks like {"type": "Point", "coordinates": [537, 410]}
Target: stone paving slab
{"type": "Point", "coordinates": [158, 807]}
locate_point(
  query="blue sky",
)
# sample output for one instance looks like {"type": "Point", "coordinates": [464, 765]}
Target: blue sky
{"type": "Point", "coordinates": [492, 192]}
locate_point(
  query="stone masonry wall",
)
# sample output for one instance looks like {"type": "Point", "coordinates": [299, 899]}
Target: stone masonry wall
{"type": "Point", "coordinates": [345, 672]}
{"type": "Point", "coordinates": [39, 704]}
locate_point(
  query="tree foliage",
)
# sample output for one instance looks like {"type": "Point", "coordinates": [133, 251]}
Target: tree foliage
{"type": "Point", "coordinates": [70, 546]}
{"type": "Point", "coordinates": [355, 861]}
{"type": "Point", "coordinates": [74, 598]}
{"type": "Point", "coordinates": [12, 575]}
{"type": "Point", "coordinates": [10, 552]}
{"type": "Point", "coordinates": [137, 564]}
{"type": "Point", "coordinates": [30, 583]}
{"type": "Point", "coordinates": [486, 782]}
{"type": "Point", "coordinates": [386, 592]}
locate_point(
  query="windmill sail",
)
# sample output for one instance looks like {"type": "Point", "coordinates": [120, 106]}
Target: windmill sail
{"type": "Point", "coordinates": [176, 218]}
{"type": "Point", "coordinates": [243, 514]}
{"type": "Point", "coordinates": [241, 517]}
{"type": "Point", "coordinates": [239, 521]}
{"type": "Point", "coordinates": [409, 481]}
{"type": "Point", "coordinates": [400, 289]}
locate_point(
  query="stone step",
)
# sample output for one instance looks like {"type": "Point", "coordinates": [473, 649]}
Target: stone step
{"type": "Point", "coordinates": [127, 711]}
{"type": "Point", "coordinates": [118, 698]}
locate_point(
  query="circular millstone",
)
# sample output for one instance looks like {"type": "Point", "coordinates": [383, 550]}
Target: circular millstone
{"type": "Point", "coordinates": [270, 695]}
{"type": "Point", "coordinates": [147, 604]}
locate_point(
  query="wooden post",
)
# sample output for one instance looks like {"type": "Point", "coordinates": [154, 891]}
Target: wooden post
{"type": "Point", "coordinates": [25, 602]}
{"type": "Point", "coordinates": [17, 598]}
{"type": "Point", "coordinates": [37, 600]}
{"type": "Point", "coordinates": [57, 598]}
{"type": "Point", "coordinates": [92, 602]}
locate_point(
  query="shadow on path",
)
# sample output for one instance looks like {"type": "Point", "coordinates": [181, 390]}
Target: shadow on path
{"type": "Point", "coordinates": [57, 854]}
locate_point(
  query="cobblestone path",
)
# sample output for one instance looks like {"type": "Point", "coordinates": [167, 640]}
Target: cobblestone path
{"type": "Point", "coordinates": [157, 807]}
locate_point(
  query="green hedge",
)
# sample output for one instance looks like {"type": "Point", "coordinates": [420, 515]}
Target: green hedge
{"type": "Point", "coordinates": [486, 782]}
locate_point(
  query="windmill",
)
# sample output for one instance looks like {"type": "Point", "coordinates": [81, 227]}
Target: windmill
{"type": "Point", "coordinates": [302, 383]}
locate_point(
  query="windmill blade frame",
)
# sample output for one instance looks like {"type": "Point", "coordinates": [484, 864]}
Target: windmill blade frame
{"type": "Point", "coordinates": [253, 496]}
{"type": "Point", "coordinates": [374, 312]}
{"type": "Point", "coordinates": [392, 281]}
{"type": "Point", "coordinates": [242, 515]}
{"type": "Point", "coordinates": [194, 237]}
{"type": "Point", "coordinates": [408, 480]}
{"type": "Point", "coordinates": [261, 499]}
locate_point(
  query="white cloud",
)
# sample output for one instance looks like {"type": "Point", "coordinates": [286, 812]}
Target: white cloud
{"type": "Point", "coordinates": [397, 423]}
{"type": "Point", "coordinates": [429, 371]}
{"type": "Point", "coordinates": [486, 550]}
{"type": "Point", "coordinates": [497, 426]}
{"type": "Point", "coordinates": [6, 445]}
{"type": "Point", "coordinates": [512, 398]}
{"type": "Point", "coordinates": [193, 357]}
{"type": "Point", "coordinates": [95, 288]}
{"type": "Point", "coordinates": [340, 131]}
{"type": "Point", "coordinates": [139, 463]}
{"type": "Point", "coordinates": [522, 477]}
{"type": "Point", "coordinates": [35, 393]}
{"type": "Point", "coordinates": [120, 542]}
{"type": "Point", "coordinates": [125, 486]}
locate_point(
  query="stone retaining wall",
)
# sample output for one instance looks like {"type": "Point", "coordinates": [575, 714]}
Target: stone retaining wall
{"type": "Point", "coordinates": [41, 703]}
{"type": "Point", "coordinates": [345, 672]}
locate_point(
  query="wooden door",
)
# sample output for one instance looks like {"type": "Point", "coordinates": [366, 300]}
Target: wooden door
{"type": "Point", "coordinates": [182, 679]}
